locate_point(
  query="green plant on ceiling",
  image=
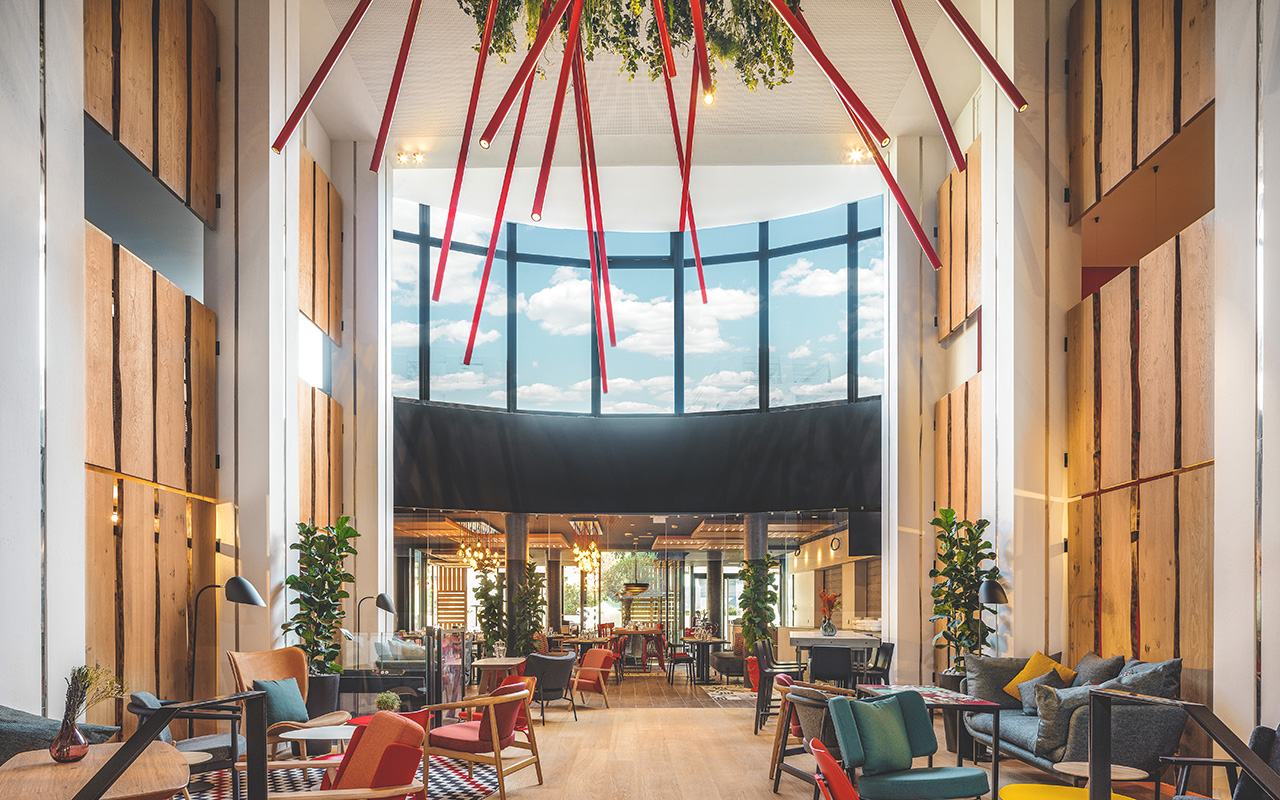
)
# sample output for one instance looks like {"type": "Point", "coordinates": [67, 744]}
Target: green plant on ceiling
{"type": "Point", "coordinates": [745, 35]}
{"type": "Point", "coordinates": [530, 607]}
{"type": "Point", "coordinates": [490, 593]}
{"type": "Point", "coordinates": [318, 589]}
{"type": "Point", "coordinates": [959, 570]}
{"type": "Point", "coordinates": [757, 600]}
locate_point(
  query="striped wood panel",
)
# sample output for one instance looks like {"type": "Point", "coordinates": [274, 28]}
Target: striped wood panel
{"type": "Point", "coordinates": [99, 355]}
{"type": "Point", "coordinates": [1197, 57]}
{"type": "Point", "coordinates": [138, 589]}
{"type": "Point", "coordinates": [1157, 578]}
{"type": "Point", "coordinates": [320, 289]}
{"type": "Point", "coordinates": [306, 456]}
{"type": "Point", "coordinates": [334, 323]}
{"type": "Point", "coordinates": [335, 460]}
{"type": "Point", "coordinates": [1116, 551]}
{"type": "Point", "coordinates": [171, 388]}
{"type": "Point", "coordinates": [171, 97]}
{"type": "Point", "coordinates": [959, 492]}
{"type": "Point", "coordinates": [1115, 358]}
{"type": "Point", "coordinates": [204, 560]}
{"type": "Point", "coordinates": [135, 97]}
{"type": "Point", "coordinates": [174, 597]}
{"type": "Point", "coordinates": [134, 283]}
{"type": "Point", "coordinates": [1157, 368]}
{"type": "Point", "coordinates": [1195, 576]}
{"type": "Point", "coordinates": [1082, 592]}
{"type": "Point", "coordinates": [959, 247]}
{"type": "Point", "coordinates": [204, 114]}
{"type": "Point", "coordinates": [1081, 408]}
{"type": "Point", "coordinates": [942, 454]}
{"type": "Point", "coordinates": [320, 440]}
{"type": "Point", "coordinates": [101, 585]}
{"type": "Point", "coordinates": [973, 447]}
{"type": "Point", "coordinates": [1082, 90]}
{"type": "Point", "coordinates": [99, 63]}
{"type": "Point", "coordinates": [451, 596]}
{"type": "Point", "coordinates": [1157, 81]}
{"type": "Point", "coordinates": [306, 234]}
{"type": "Point", "coordinates": [1116, 149]}
{"type": "Point", "coordinates": [1195, 257]}
{"type": "Point", "coordinates": [202, 419]}
{"type": "Point", "coordinates": [944, 255]}
{"type": "Point", "coordinates": [973, 195]}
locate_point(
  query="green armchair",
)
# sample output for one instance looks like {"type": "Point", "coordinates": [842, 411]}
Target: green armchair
{"type": "Point", "coordinates": [882, 736]}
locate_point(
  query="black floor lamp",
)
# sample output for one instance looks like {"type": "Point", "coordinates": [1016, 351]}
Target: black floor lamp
{"type": "Point", "coordinates": [238, 590]}
{"type": "Point", "coordinates": [991, 593]}
{"type": "Point", "coordinates": [382, 601]}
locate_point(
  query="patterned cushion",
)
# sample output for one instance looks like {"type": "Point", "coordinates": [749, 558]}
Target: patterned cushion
{"type": "Point", "coordinates": [1094, 669]}
{"type": "Point", "coordinates": [1027, 689]}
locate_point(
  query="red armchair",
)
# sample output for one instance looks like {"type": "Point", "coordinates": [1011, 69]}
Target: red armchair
{"type": "Point", "coordinates": [482, 741]}
{"type": "Point", "coordinates": [592, 675]}
{"type": "Point", "coordinates": [832, 779]}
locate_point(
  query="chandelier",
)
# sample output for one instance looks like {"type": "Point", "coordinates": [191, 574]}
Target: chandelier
{"type": "Point", "coordinates": [586, 544]}
{"type": "Point", "coordinates": [476, 553]}
{"type": "Point", "coordinates": [702, 87]}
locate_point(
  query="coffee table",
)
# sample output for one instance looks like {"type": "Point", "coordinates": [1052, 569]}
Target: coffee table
{"type": "Point", "coordinates": [1041, 791]}
{"type": "Point", "coordinates": [158, 773]}
{"type": "Point", "coordinates": [333, 733]}
{"type": "Point", "coordinates": [1079, 772]}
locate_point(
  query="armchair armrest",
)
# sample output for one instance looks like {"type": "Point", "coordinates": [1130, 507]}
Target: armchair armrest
{"type": "Point", "coordinates": [335, 718]}
{"type": "Point", "coordinates": [479, 702]}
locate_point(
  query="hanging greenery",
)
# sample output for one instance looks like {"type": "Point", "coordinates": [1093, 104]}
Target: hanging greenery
{"type": "Point", "coordinates": [962, 549]}
{"type": "Point", "coordinates": [530, 606]}
{"type": "Point", "coordinates": [491, 595]}
{"type": "Point", "coordinates": [746, 35]}
{"type": "Point", "coordinates": [757, 599]}
{"type": "Point", "coordinates": [319, 587]}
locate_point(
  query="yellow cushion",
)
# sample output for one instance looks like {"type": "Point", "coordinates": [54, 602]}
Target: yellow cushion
{"type": "Point", "coordinates": [1036, 666]}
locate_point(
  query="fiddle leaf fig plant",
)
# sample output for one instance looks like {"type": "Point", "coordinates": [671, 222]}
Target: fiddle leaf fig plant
{"type": "Point", "coordinates": [318, 591]}
{"type": "Point", "coordinates": [490, 594]}
{"type": "Point", "coordinates": [757, 600]}
{"type": "Point", "coordinates": [958, 570]}
{"type": "Point", "coordinates": [530, 605]}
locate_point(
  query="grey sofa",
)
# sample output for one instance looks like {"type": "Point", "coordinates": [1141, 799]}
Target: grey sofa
{"type": "Point", "coordinates": [1141, 734]}
{"type": "Point", "coordinates": [20, 731]}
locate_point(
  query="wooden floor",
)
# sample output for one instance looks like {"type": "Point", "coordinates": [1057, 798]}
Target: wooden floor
{"type": "Point", "coordinates": [651, 690]}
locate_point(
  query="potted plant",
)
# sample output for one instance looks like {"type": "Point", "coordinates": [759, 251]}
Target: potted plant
{"type": "Point", "coordinates": [830, 602]}
{"type": "Point", "coordinates": [86, 687]}
{"type": "Point", "coordinates": [530, 609]}
{"type": "Point", "coordinates": [493, 621]}
{"type": "Point", "coordinates": [387, 701]}
{"type": "Point", "coordinates": [318, 595]}
{"type": "Point", "coordinates": [756, 602]}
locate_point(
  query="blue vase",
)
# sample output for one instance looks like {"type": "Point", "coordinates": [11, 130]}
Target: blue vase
{"type": "Point", "coordinates": [827, 628]}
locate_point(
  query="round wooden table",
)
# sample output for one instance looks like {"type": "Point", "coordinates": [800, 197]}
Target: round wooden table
{"type": "Point", "coordinates": [333, 733]}
{"type": "Point", "coordinates": [158, 773]}
{"type": "Point", "coordinates": [1040, 791]}
{"type": "Point", "coordinates": [702, 656]}
{"type": "Point", "coordinates": [493, 670]}
{"type": "Point", "coordinates": [1080, 769]}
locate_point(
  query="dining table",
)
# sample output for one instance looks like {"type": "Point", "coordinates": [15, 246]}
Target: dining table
{"type": "Point", "coordinates": [702, 657]}
{"type": "Point", "coordinates": [584, 643]}
{"type": "Point", "coordinates": [640, 664]}
{"type": "Point", "coordinates": [494, 670]}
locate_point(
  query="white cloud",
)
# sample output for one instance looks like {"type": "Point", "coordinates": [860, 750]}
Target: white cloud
{"type": "Point", "coordinates": [875, 358]}
{"type": "Point", "coordinates": [870, 386]}
{"type": "Point", "coordinates": [465, 381]}
{"type": "Point", "coordinates": [802, 278]}
{"type": "Point", "coordinates": [458, 331]}
{"type": "Point", "coordinates": [403, 273]}
{"type": "Point", "coordinates": [802, 351]}
{"type": "Point", "coordinates": [544, 394]}
{"type": "Point", "coordinates": [402, 386]}
{"type": "Point", "coordinates": [403, 334]}
{"type": "Point", "coordinates": [702, 333]}
{"type": "Point", "coordinates": [833, 389]}
{"type": "Point", "coordinates": [564, 307]}
{"type": "Point", "coordinates": [653, 386]}
{"type": "Point", "coordinates": [723, 390]}
{"type": "Point", "coordinates": [632, 406]}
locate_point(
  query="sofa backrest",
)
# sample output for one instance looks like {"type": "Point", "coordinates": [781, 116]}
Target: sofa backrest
{"type": "Point", "coordinates": [986, 677]}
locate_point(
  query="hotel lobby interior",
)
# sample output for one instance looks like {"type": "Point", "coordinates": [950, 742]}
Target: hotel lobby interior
{"type": "Point", "coordinates": [874, 406]}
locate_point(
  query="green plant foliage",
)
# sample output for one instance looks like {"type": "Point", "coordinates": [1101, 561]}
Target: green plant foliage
{"type": "Point", "coordinates": [491, 595]}
{"type": "Point", "coordinates": [319, 591]}
{"type": "Point", "coordinates": [746, 35]}
{"type": "Point", "coordinates": [531, 604]}
{"type": "Point", "coordinates": [387, 701]}
{"type": "Point", "coordinates": [962, 549]}
{"type": "Point", "coordinates": [757, 599]}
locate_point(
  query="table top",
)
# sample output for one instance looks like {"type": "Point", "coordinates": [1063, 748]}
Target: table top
{"type": "Point", "coordinates": [196, 756]}
{"type": "Point", "coordinates": [160, 771]}
{"type": "Point", "coordinates": [586, 639]}
{"type": "Point", "coordinates": [637, 632]}
{"type": "Point", "coordinates": [330, 732]}
{"type": "Point", "coordinates": [498, 663]}
{"type": "Point", "coordinates": [1041, 791]}
{"type": "Point", "coordinates": [934, 696]}
{"type": "Point", "coordinates": [695, 640]}
{"type": "Point", "coordinates": [1080, 769]}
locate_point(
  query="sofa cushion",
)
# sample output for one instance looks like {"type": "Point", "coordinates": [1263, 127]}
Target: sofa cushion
{"type": "Point", "coordinates": [1094, 669]}
{"type": "Point", "coordinates": [986, 677]}
{"type": "Point", "coordinates": [1015, 727]}
{"type": "Point", "coordinates": [283, 702]}
{"type": "Point", "coordinates": [1170, 673]}
{"type": "Point", "coordinates": [1036, 666]}
{"type": "Point", "coordinates": [1027, 690]}
{"type": "Point", "coordinates": [883, 735]}
{"type": "Point", "coordinates": [1058, 705]}
{"type": "Point", "coordinates": [726, 663]}
{"type": "Point", "coordinates": [464, 737]}
{"type": "Point", "coordinates": [927, 783]}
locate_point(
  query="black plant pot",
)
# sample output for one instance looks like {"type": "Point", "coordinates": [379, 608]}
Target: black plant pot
{"type": "Point", "coordinates": [956, 735]}
{"type": "Point", "coordinates": [322, 698]}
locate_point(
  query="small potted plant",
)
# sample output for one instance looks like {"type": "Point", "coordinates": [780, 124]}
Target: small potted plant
{"type": "Point", "coordinates": [830, 602]}
{"type": "Point", "coordinates": [86, 687]}
{"type": "Point", "coordinates": [387, 701]}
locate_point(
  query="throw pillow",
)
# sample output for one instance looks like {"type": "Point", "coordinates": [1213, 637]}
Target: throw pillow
{"type": "Point", "coordinates": [283, 702]}
{"type": "Point", "coordinates": [1170, 673]}
{"type": "Point", "coordinates": [1094, 669]}
{"type": "Point", "coordinates": [1028, 690]}
{"type": "Point", "coordinates": [1055, 708]}
{"type": "Point", "coordinates": [986, 677]}
{"type": "Point", "coordinates": [883, 734]}
{"type": "Point", "coordinates": [739, 646]}
{"type": "Point", "coordinates": [1038, 665]}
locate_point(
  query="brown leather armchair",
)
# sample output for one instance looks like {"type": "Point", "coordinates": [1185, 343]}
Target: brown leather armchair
{"type": "Point", "coordinates": [277, 665]}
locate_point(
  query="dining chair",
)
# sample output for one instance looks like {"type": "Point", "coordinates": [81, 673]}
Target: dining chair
{"type": "Point", "coordinates": [276, 665]}
{"type": "Point", "coordinates": [832, 663]}
{"type": "Point", "coordinates": [679, 656]}
{"type": "Point", "coordinates": [878, 671]}
{"type": "Point", "coordinates": [592, 675]}
{"type": "Point", "coordinates": [809, 708]}
{"type": "Point", "coordinates": [482, 741]}
{"type": "Point", "coordinates": [553, 674]}
{"type": "Point", "coordinates": [769, 670]}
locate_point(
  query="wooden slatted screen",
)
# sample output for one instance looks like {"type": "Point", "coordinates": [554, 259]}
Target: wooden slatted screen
{"type": "Point", "coordinates": [138, 589]}
{"type": "Point", "coordinates": [320, 431]}
{"type": "Point", "coordinates": [451, 595]}
{"type": "Point", "coordinates": [958, 450]}
{"type": "Point", "coordinates": [960, 243]}
{"type": "Point", "coordinates": [1157, 81]}
{"type": "Point", "coordinates": [334, 323]}
{"type": "Point", "coordinates": [99, 355]}
{"type": "Point", "coordinates": [335, 460]}
{"type": "Point", "coordinates": [1082, 117]}
{"type": "Point", "coordinates": [320, 463]}
{"type": "Point", "coordinates": [973, 205]}
{"type": "Point", "coordinates": [1197, 88]}
{"type": "Point", "coordinates": [204, 114]}
{"type": "Point", "coordinates": [202, 409]}
{"type": "Point", "coordinates": [174, 597]}
{"type": "Point", "coordinates": [134, 362]}
{"type": "Point", "coordinates": [171, 383]}
{"type": "Point", "coordinates": [959, 247]}
{"type": "Point", "coordinates": [320, 289]}
{"type": "Point", "coordinates": [306, 234]}
{"type": "Point", "coordinates": [101, 601]}
{"type": "Point", "coordinates": [306, 456]}
{"type": "Point", "coordinates": [172, 106]}
{"type": "Point", "coordinates": [135, 98]}
{"type": "Point", "coordinates": [99, 63]}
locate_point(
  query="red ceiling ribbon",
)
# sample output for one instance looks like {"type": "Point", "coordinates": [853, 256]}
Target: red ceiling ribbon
{"type": "Point", "coordinates": [580, 83]}
{"type": "Point", "coordinates": [688, 149]}
{"type": "Point", "coordinates": [447, 240]}
{"type": "Point", "coordinates": [587, 207]}
{"type": "Point", "coordinates": [557, 108]}
{"type": "Point", "coordinates": [668, 57]}
{"type": "Point", "coordinates": [842, 87]}
{"type": "Point", "coordinates": [701, 57]}
{"type": "Point", "coordinates": [917, 55]}
{"type": "Point", "coordinates": [397, 78]}
{"type": "Point", "coordinates": [317, 80]}
{"type": "Point", "coordinates": [526, 69]}
{"type": "Point", "coordinates": [984, 55]}
{"type": "Point", "coordinates": [693, 226]}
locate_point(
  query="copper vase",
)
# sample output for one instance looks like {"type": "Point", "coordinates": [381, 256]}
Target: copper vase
{"type": "Point", "coordinates": [69, 745]}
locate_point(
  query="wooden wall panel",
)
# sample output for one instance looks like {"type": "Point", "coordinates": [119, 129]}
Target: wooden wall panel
{"type": "Point", "coordinates": [973, 447]}
{"type": "Point", "coordinates": [1081, 588]}
{"type": "Point", "coordinates": [1115, 364]}
{"type": "Point", "coordinates": [172, 637]}
{"type": "Point", "coordinates": [99, 63]}
{"type": "Point", "coordinates": [942, 454]}
{"type": "Point", "coordinates": [135, 318]}
{"type": "Point", "coordinates": [959, 491]}
{"type": "Point", "coordinates": [1197, 57]}
{"type": "Point", "coordinates": [306, 453]}
{"type": "Point", "coordinates": [171, 389]}
{"type": "Point", "coordinates": [944, 255]}
{"type": "Point", "coordinates": [959, 247]}
{"type": "Point", "coordinates": [136, 96]}
{"type": "Point", "coordinates": [171, 97]}
{"type": "Point", "coordinates": [1195, 545]}
{"type": "Point", "coordinates": [1157, 392]}
{"type": "Point", "coordinates": [1157, 576]}
{"type": "Point", "coordinates": [320, 315]}
{"type": "Point", "coordinates": [335, 266]}
{"type": "Point", "coordinates": [1082, 89]}
{"type": "Point", "coordinates": [320, 410]}
{"type": "Point", "coordinates": [1157, 83]}
{"type": "Point", "coordinates": [973, 196]}
{"type": "Point", "coordinates": [203, 409]}
{"type": "Point", "coordinates": [1081, 408]}
{"type": "Point", "coordinates": [335, 461]}
{"type": "Point", "coordinates": [138, 590]}
{"type": "Point", "coordinates": [306, 234]}
{"type": "Point", "coordinates": [204, 114]}
{"type": "Point", "coordinates": [204, 571]}
{"type": "Point", "coordinates": [99, 355]}
{"type": "Point", "coordinates": [1116, 593]}
{"type": "Point", "coordinates": [101, 584]}
{"type": "Point", "coordinates": [1117, 92]}
{"type": "Point", "coordinates": [1195, 258]}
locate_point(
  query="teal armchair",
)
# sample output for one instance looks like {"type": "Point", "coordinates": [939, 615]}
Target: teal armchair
{"type": "Point", "coordinates": [881, 737]}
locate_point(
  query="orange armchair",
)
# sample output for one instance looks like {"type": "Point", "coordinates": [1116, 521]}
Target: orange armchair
{"type": "Point", "coordinates": [482, 741]}
{"type": "Point", "coordinates": [276, 665]}
{"type": "Point", "coordinates": [592, 675]}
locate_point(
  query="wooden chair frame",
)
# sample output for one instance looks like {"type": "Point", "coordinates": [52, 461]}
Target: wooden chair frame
{"type": "Point", "coordinates": [244, 683]}
{"type": "Point", "coordinates": [494, 758]}
{"type": "Point", "coordinates": [336, 794]}
{"type": "Point", "coordinates": [604, 681]}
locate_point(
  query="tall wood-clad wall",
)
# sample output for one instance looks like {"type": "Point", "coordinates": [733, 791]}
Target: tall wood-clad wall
{"type": "Point", "coordinates": [1140, 465]}
{"type": "Point", "coordinates": [960, 243]}
{"type": "Point", "coordinates": [319, 248]}
{"type": "Point", "coordinates": [150, 67]}
{"type": "Point", "coordinates": [1124, 100]}
{"type": "Point", "coordinates": [957, 482]}
{"type": "Point", "coordinates": [319, 456]}
{"type": "Point", "coordinates": [150, 477]}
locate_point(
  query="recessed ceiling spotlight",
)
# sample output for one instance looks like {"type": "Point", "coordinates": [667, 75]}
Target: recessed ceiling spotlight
{"type": "Point", "coordinates": [402, 158]}
{"type": "Point", "coordinates": [417, 158]}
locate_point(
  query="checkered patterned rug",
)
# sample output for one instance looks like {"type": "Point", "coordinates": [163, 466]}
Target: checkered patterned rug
{"type": "Point", "coordinates": [449, 781]}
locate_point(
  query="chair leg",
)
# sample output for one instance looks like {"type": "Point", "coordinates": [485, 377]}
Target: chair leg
{"type": "Point", "coordinates": [537, 761]}
{"type": "Point", "coordinates": [502, 784]}
{"type": "Point", "coordinates": [604, 694]}
{"type": "Point", "coordinates": [573, 706]}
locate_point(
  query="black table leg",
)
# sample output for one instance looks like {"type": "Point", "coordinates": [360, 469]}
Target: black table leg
{"type": "Point", "coordinates": [995, 755]}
